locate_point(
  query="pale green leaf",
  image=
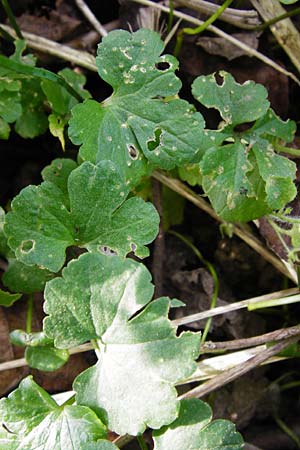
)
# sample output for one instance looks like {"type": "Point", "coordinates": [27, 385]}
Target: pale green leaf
{"type": "Point", "coordinates": [194, 430]}
{"type": "Point", "coordinates": [57, 126]}
{"type": "Point", "coordinates": [39, 423]}
{"type": "Point", "coordinates": [140, 357]}
{"type": "Point", "coordinates": [140, 126]}
{"type": "Point", "coordinates": [95, 214]}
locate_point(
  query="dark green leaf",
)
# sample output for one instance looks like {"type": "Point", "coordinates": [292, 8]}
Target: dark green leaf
{"type": "Point", "coordinates": [95, 215]}
{"type": "Point", "coordinates": [141, 125]}
{"type": "Point", "coordinates": [8, 299]}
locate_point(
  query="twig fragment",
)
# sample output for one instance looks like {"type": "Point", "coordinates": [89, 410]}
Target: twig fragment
{"type": "Point", "coordinates": [90, 16]}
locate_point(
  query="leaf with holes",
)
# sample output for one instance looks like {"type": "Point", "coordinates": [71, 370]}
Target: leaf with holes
{"type": "Point", "coordinates": [140, 357]}
{"type": "Point", "coordinates": [194, 429]}
{"type": "Point", "coordinates": [141, 125]}
{"type": "Point", "coordinates": [242, 174]}
{"type": "Point", "coordinates": [35, 421]}
{"type": "Point", "coordinates": [92, 212]}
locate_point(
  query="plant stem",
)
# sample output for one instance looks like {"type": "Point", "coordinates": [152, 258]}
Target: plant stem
{"type": "Point", "coordinates": [200, 28]}
{"type": "Point", "coordinates": [171, 15]}
{"type": "Point", "coordinates": [214, 275]}
{"type": "Point", "coordinates": [238, 230]}
{"type": "Point", "coordinates": [6, 35]}
{"type": "Point", "coordinates": [29, 313]}
{"type": "Point", "coordinates": [287, 430]}
{"type": "Point", "coordinates": [11, 18]}
{"type": "Point", "coordinates": [90, 16]}
{"type": "Point", "coordinates": [237, 371]}
{"type": "Point", "coordinates": [288, 150]}
{"type": "Point", "coordinates": [142, 443]}
{"type": "Point", "coordinates": [237, 344]}
{"type": "Point", "coordinates": [159, 244]}
{"type": "Point", "coordinates": [271, 22]}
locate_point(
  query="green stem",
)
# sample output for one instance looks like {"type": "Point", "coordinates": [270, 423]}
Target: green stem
{"type": "Point", "coordinates": [11, 18]}
{"type": "Point", "coordinates": [70, 401]}
{"type": "Point", "coordinates": [142, 443]}
{"type": "Point", "coordinates": [289, 150]}
{"type": "Point", "coordinates": [29, 313]}
{"type": "Point", "coordinates": [200, 28]}
{"type": "Point", "coordinates": [290, 385]}
{"type": "Point", "coordinates": [214, 275]}
{"type": "Point", "coordinates": [271, 22]}
{"type": "Point", "coordinates": [287, 431]}
{"type": "Point", "coordinates": [39, 73]}
{"type": "Point", "coordinates": [171, 15]}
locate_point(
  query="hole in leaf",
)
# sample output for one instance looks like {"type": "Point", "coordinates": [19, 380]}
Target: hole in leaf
{"type": "Point", "coordinates": [107, 251]}
{"type": "Point", "coordinates": [153, 144]}
{"type": "Point", "coordinates": [163, 65]}
{"type": "Point", "coordinates": [243, 127]}
{"type": "Point", "coordinates": [133, 247]}
{"type": "Point", "coordinates": [133, 152]}
{"type": "Point", "coordinates": [27, 246]}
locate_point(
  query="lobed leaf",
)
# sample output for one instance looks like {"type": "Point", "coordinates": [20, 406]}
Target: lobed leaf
{"type": "Point", "coordinates": [140, 357]}
{"type": "Point", "coordinates": [141, 125]}
{"type": "Point", "coordinates": [193, 429]}
{"type": "Point", "coordinates": [244, 179]}
{"type": "Point", "coordinates": [91, 211]}
{"type": "Point", "coordinates": [35, 421]}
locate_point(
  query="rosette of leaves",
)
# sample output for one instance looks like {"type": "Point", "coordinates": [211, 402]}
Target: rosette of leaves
{"type": "Point", "coordinates": [143, 124]}
{"type": "Point", "coordinates": [194, 429]}
{"type": "Point", "coordinates": [81, 206]}
{"type": "Point", "coordinates": [140, 358]}
{"type": "Point", "coordinates": [31, 419]}
{"type": "Point", "coordinates": [242, 174]}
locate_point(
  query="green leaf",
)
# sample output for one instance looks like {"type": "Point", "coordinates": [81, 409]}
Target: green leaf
{"type": "Point", "coordinates": [60, 100]}
{"type": "Point", "coordinates": [173, 208]}
{"type": "Point", "coordinates": [191, 173]}
{"type": "Point", "coordinates": [140, 357]}
{"type": "Point", "coordinates": [4, 249]}
{"type": "Point", "coordinates": [33, 121]}
{"type": "Point", "coordinates": [236, 103]}
{"type": "Point", "coordinates": [47, 358]}
{"type": "Point", "coordinates": [95, 215]}
{"type": "Point", "coordinates": [4, 129]}
{"type": "Point", "coordinates": [40, 352]}
{"type": "Point", "coordinates": [193, 429]}
{"type": "Point", "coordinates": [27, 279]}
{"type": "Point", "coordinates": [140, 126]}
{"type": "Point", "coordinates": [244, 179]}
{"type": "Point", "coordinates": [39, 423]}
{"type": "Point", "coordinates": [8, 299]}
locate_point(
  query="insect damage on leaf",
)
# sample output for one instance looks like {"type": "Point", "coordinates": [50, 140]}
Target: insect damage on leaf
{"type": "Point", "coordinates": [241, 172]}
{"type": "Point", "coordinates": [85, 206]}
{"type": "Point", "coordinates": [141, 125]}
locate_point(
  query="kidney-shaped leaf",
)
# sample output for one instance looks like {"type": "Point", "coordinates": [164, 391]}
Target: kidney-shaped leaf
{"type": "Point", "coordinates": [35, 421]}
{"type": "Point", "coordinates": [92, 212]}
{"type": "Point", "coordinates": [193, 429]}
{"type": "Point", "coordinates": [140, 356]}
{"type": "Point", "coordinates": [138, 125]}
